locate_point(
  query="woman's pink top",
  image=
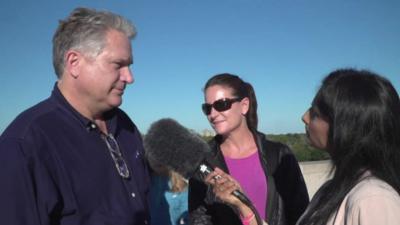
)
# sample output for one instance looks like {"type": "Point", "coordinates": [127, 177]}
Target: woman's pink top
{"type": "Point", "coordinates": [249, 173]}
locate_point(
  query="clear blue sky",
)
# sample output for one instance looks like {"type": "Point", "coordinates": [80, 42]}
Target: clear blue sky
{"type": "Point", "coordinates": [283, 47]}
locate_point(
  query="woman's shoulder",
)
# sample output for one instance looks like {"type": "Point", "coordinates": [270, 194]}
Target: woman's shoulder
{"type": "Point", "coordinates": [372, 201]}
{"type": "Point", "coordinates": [270, 145]}
{"type": "Point", "coordinates": [373, 190]}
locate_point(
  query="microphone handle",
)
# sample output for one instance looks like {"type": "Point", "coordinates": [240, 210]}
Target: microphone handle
{"type": "Point", "coordinates": [242, 197]}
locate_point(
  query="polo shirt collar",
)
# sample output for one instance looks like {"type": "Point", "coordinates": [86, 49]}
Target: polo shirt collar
{"type": "Point", "coordinates": [89, 125]}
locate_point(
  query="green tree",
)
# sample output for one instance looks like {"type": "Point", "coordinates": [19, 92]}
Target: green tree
{"type": "Point", "coordinates": [299, 145]}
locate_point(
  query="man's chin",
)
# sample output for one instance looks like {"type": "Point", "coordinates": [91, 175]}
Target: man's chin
{"type": "Point", "coordinates": [116, 102]}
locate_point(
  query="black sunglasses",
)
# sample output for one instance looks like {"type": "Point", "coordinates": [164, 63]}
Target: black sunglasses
{"type": "Point", "coordinates": [219, 105]}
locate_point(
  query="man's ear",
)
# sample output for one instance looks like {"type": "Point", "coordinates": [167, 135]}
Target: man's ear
{"type": "Point", "coordinates": [72, 61]}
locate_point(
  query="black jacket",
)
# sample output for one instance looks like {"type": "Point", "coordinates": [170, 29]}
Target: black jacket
{"type": "Point", "coordinates": [287, 193]}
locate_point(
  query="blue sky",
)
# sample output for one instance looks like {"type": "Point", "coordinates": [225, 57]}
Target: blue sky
{"type": "Point", "coordinates": [283, 47]}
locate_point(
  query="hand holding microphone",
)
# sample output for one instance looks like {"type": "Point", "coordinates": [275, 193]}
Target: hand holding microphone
{"type": "Point", "coordinates": [223, 186]}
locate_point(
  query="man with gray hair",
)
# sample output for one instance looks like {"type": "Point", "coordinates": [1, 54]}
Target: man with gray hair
{"type": "Point", "coordinates": [76, 158]}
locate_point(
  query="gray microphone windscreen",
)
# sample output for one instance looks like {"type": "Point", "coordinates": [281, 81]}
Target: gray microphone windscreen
{"type": "Point", "coordinates": [170, 144]}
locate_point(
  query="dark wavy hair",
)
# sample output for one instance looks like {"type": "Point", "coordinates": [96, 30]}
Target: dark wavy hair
{"type": "Point", "coordinates": [240, 89]}
{"type": "Point", "coordinates": [363, 113]}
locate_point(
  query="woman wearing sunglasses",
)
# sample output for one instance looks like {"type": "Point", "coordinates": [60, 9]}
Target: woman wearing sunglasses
{"type": "Point", "coordinates": [267, 172]}
{"type": "Point", "coordinates": [355, 116]}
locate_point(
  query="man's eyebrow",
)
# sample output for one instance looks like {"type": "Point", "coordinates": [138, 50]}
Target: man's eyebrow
{"type": "Point", "coordinates": [123, 61]}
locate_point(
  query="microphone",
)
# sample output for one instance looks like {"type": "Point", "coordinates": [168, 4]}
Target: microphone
{"type": "Point", "coordinates": [170, 144]}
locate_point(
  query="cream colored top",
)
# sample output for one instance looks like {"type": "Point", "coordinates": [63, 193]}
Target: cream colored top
{"type": "Point", "coordinates": [370, 202]}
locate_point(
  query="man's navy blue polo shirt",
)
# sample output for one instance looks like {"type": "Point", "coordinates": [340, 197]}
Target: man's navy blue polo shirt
{"type": "Point", "coordinates": [56, 169]}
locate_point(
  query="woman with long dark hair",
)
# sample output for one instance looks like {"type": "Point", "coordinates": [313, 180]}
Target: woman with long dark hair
{"type": "Point", "coordinates": [268, 171]}
{"type": "Point", "coordinates": [355, 117]}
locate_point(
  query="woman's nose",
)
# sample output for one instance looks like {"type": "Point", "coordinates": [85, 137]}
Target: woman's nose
{"type": "Point", "coordinates": [306, 117]}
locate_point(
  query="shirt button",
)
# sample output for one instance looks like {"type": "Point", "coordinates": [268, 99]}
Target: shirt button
{"type": "Point", "coordinates": [133, 195]}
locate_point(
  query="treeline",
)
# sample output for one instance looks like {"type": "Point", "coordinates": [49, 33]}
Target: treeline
{"type": "Point", "coordinates": [299, 145]}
